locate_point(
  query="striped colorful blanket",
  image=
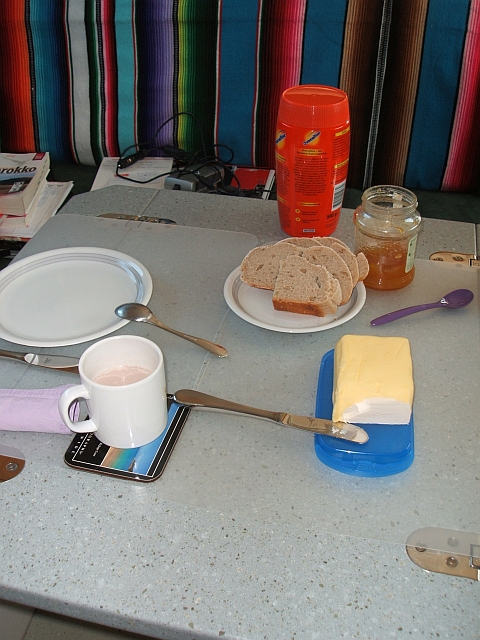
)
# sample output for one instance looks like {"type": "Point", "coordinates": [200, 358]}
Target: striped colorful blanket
{"type": "Point", "coordinates": [84, 79]}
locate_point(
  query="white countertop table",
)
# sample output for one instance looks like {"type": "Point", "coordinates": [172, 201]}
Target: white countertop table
{"type": "Point", "coordinates": [247, 534]}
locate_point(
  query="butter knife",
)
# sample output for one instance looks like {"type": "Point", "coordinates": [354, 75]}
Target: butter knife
{"type": "Point", "coordinates": [343, 430]}
{"type": "Point", "coordinates": [65, 363]}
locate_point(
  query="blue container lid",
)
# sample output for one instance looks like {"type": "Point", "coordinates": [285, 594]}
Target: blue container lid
{"type": "Point", "coordinates": [389, 448]}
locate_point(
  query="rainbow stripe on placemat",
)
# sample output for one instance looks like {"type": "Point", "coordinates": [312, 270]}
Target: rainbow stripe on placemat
{"type": "Point", "coordinates": [87, 79]}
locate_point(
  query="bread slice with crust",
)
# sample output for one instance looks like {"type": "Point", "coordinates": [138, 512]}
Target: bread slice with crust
{"type": "Point", "coordinates": [307, 275]}
{"type": "Point", "coordinates": [304, 243]}
{"type": "Point", "coordinates": [363, 266]}
{"type": "Point", "coordinates": [362, 263]}
{"type": "Point", "coordinates": [358, 263]}
{"type": "Point", "coordinates": [348, 257]}
{"type": "Point", "coordinates": [303, 287]}
{"type": "Point", "coordinates": [328, 241]}
{"type": "Point", "coordinates": [260, 266]}
{"type": "Point", "coordinates": [333, 243]}
{"type": "Point", "coordinates": [335, 264]}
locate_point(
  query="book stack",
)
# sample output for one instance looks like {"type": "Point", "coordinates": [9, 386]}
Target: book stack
{"type": "Point", "coordinates": [27, 200]}
{"type": "Point", "coordinates": [22, 176]}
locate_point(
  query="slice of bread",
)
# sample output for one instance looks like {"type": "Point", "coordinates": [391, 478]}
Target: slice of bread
{"type": "Point", "coordinates": [348, 257]}
{"type": "Point", "coordinates": [335, 244]}
{"type": "Point", "coordinates": [300, 242]}
{"type": "Point", "coordinates": [303, 287]}
{"type": "Point", "coordinates": [260, 266]}
{"type": "Point", "coordinates": [335, 264]}
{"type": "Point", "coordinates": [363, 266]}
{"type": "Point", "coordinates": [362, 262]}
{"type": "Point", "coordinates": [328, 241]}
{"type": "Point", "coordinates": [274, 266]}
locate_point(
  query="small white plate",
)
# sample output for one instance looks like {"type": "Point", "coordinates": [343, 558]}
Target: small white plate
{"type": "Point", "coordinates": [255, 306]}
{"type": "Point", "coordinates": [68, 296]}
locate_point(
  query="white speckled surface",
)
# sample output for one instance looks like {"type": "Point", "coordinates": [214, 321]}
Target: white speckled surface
{"type": "Point", "coordinates": [232, 541]}
{"type": "Point", "coordinates": [259, 217]}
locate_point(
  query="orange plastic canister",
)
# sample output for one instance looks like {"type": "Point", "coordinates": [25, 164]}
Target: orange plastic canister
{"type": "Point", "coordinates": [312, 147]}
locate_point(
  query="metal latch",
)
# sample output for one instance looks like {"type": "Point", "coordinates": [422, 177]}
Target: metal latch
{"type": "Point", "coordinates": [456, 258]}
{"type": "Point", "coordinates": [12, 461]}
{"type": "Point", "coordinates": [454, 553]}
{"type": "Point", "coordinates": [125, 216]}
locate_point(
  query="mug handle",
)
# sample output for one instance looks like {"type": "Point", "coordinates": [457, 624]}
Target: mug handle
{"type": "Point", "coordinates": [68, 396]}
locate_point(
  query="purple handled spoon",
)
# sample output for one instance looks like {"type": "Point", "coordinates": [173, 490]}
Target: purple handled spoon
{"type": "Point", "coordinates": [453, 300]}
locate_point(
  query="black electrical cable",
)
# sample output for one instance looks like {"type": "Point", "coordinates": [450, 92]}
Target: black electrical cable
{"type": "Point", "coordinates": [144, 149]}
{"type": "Point", "coordinates": [192, 163]}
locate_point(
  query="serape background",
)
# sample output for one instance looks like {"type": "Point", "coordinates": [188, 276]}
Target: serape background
{"type": "Point", "coordinates": [84, 79]}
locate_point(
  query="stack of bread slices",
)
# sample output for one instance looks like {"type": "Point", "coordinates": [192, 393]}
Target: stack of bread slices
{"type": "Point", "coordinates": [307, 275]}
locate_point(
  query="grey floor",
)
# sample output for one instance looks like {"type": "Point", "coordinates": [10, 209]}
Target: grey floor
{"type": "Point", "coordinates": [18, 623]}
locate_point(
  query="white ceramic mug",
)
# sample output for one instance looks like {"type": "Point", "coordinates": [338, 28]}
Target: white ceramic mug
{"type": "Point", "coordinates": [123, 384]}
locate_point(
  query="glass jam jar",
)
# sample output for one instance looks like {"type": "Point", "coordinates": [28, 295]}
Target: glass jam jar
{"type": "Point", "coordinates": [386, 230]}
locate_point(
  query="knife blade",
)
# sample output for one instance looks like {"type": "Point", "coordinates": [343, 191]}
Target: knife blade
{"type": "Point", "coordinates": [64, 363]}
{"type": "Point", "coordinates": [342, 430]}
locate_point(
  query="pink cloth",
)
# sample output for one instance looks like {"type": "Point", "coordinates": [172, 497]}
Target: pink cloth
{"type": "Point", "coordinates": [33, 410]}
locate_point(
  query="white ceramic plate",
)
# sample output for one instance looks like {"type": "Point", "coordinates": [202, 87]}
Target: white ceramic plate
{"type": "Point", "coordinates": [255, 306]}
{"type": "Point", "coordinates": [67, 296]}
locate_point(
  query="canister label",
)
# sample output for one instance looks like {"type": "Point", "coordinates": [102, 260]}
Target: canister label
{"type": "Point", "coordinates": [311, 167]}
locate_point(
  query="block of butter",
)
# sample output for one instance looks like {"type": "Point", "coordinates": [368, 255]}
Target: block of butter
{"type": "Point", "coordinates": [373, 380]}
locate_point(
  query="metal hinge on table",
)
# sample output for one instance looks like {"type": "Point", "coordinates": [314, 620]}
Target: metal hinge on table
{"type": "Point", "coordinates": [125, 216]}
{"type": "Point", "coordinates": [469, 259]}
{"type": "Point", "coordinates": [456, 258]}
{"type": "Point", "coordinates": [455, 553]}
{"type": "Point", "coordinates": [12, 461]}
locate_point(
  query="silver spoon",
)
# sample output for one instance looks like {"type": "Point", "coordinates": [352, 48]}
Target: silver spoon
{"type": "Point", "coordinates": [453, 300]}
{"type": "Point", "coordinates": [141, 313]}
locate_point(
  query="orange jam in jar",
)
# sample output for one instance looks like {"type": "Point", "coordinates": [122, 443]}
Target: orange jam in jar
{"type": "Point", "coordinates": [386, 230]}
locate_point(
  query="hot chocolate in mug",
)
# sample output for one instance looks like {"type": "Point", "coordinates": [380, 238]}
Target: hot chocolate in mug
{"type": "Point", "coordinates": [123, 385]}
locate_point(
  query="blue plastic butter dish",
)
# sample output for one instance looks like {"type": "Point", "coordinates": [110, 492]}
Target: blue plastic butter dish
{"type": "Point", "coordinates": [389, 448]}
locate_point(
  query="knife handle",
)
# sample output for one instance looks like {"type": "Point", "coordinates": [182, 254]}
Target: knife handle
{"type": "Point", "coordinates": [13, 354]}
{"type": "Point", "coordinates": [199, 399]}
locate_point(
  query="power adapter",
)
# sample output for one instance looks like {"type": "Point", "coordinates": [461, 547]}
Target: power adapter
{"type": "Point", "coordinates": [123, 163]}
{"type": "Point", "coordinates": [171, 151]}
{"type": "Point", "coordinates": [197, 178]}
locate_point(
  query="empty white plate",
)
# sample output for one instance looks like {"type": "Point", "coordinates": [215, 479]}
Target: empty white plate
{"type": "Point", "coordinates": [68, 296]}
{"type": "Point", "coordinates": [255, 306]}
